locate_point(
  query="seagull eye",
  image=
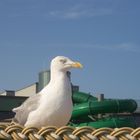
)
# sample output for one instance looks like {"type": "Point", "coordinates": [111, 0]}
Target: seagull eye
{"type": "Point", "coordinates": [63, 61]}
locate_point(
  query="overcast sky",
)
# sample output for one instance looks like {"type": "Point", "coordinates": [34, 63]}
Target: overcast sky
{"type": "Point", "coordinates": [104, 35]}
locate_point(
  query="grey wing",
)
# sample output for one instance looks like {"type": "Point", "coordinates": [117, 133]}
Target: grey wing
{"type": "Point", "coordinates": [23, 111]}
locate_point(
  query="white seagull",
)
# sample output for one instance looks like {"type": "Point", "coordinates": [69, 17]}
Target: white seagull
{"type": "Point", "coordinates": [53, 104]}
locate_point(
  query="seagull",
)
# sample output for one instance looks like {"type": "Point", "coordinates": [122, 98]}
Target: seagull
{"type": "Point", "coordinates": [52, 106]}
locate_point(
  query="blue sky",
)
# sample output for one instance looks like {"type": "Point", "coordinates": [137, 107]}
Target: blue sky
{"type": "Point", "coordinates": [104, 35]}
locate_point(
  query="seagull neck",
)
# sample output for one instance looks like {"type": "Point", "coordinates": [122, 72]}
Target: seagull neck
{"type": "Point", "coordinates": [58, 75]}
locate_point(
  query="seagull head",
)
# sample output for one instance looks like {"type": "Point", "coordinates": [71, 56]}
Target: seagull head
{"type": "Point", "coordinates": [63, 63]}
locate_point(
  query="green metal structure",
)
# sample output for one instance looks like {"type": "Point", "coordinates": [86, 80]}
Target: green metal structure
{"type": "Point", "coordinates": [113, 122]}
{"type": "Point", "coordinates": [106, 106]}
{"type": "Point", "coordinates": [87, 107]}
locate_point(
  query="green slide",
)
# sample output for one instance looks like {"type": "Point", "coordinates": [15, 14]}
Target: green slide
{"type": "Point", "coordinates": [86, 105]}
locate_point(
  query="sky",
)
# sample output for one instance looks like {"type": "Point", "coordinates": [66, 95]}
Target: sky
{"type": "Point", "coordinates": [104, 35]}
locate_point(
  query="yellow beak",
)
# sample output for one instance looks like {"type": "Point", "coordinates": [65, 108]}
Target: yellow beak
{"type": "Point", "coordinates": [77, 65]}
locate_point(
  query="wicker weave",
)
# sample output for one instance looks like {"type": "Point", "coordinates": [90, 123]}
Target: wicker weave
{"type": "Point", "coordinates": [18, 132]}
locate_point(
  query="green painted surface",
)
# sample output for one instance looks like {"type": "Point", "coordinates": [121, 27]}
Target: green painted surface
{"type": "Point", "coordinates": [109, 122]}
{"type": "Point", "coordinates": [80, 97]}
{"type": "Point", "coordinates": [106, 106]}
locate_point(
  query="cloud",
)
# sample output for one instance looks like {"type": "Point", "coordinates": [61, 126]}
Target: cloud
{"type": "Point", "coordinates": [129, 47]}
{"type": "Point", "coordinates": [67, 14]}
{"type": "Point", "coordinates": [126, 47]}
{"type": "Point", "coordinates": [122, 47]}
{"type": "Point", "coordinates": [79, 11]}
{"type": "Point", "coordinates": [71, 10]}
